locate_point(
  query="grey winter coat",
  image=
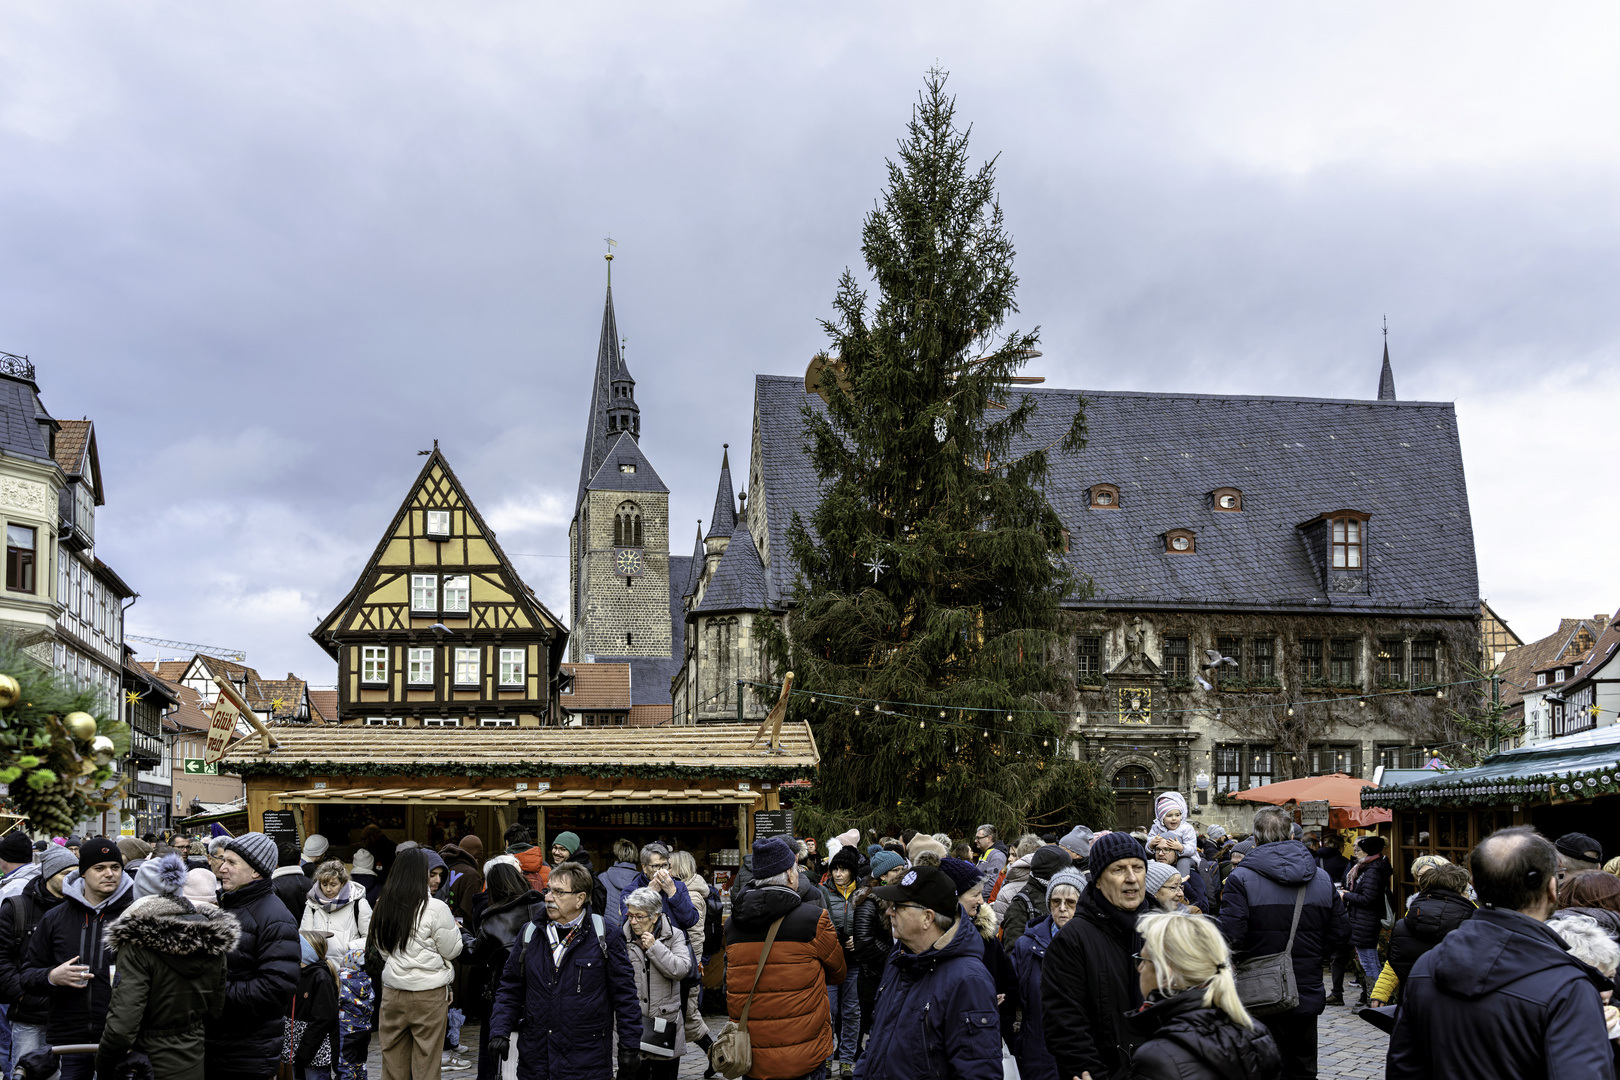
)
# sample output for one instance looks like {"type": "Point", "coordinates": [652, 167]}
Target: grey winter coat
{"type": "Point", "coordinates": [171, 977]}
{"type": "Point", "coordinates": [1012, 885]}
{"type": "Point", "coordinates": [699, 891]}
{"type": "Point", "coordinates": [659, 972]}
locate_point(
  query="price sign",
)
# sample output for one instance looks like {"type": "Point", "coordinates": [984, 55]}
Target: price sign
{"type": "Point", "coordinates": [280, 825]}
{"type": "Point", "coordinates": [772, 823]}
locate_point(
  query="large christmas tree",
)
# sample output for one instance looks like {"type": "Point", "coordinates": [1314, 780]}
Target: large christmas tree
{"type": "Point", "coordinates": [928, 640]}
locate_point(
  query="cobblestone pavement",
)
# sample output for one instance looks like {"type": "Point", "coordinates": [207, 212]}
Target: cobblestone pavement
{"type": "Point", "coordinates": [1351, 1049]}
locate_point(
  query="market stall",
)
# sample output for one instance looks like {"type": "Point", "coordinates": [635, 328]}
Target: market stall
{"type": "Point", "coordinates": [1340, 791]}
{"type": "Point", "coordinates": [695, 789]}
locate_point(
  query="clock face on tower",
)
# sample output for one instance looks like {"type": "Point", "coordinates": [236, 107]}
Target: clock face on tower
{"type": "Point", "coordinates": [627, 561]}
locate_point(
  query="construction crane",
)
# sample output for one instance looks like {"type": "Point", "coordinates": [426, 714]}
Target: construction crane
{"type": "Point", "coordinates": [238, 655]}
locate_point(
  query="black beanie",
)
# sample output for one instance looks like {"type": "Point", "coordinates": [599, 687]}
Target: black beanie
{"type": "Point", "coordinates": [98, 850]}
{"type": "Point", "coordinates": [846, 859]}
{"type": "Point", "coordinates": [1372, 845]}
{"type": "Point", "coordinates": [15, 847]}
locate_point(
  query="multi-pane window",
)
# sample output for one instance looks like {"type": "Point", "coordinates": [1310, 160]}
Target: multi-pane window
{"type": "Point", "coordinates": [424, 592]}
{"type": "Point", "coordinates": [384, 721]}
{"type": "Point", "coordinates": [438, 523]}
{"type": "Point", "coordinates": [512, 667]}
{"type": "Point", "coordinates": [1263, 652]}
{"type": "Point", "coordinates": [1176, 657]}
{"type": "Point", "coordinates": [374, 663]}
{"type": "Point", "coordinates": [494, 721]}
{"type": "Point", "coordinates": [441, 721]}
{"type": "Point", "coordinates": [455, 593]}
{"type": "Point", "coordinates": [1346, 544]}
{"type": "Point", "coordinates": [1228, 767]}
{"type": "Point", "coordinates": [1310, 658]}
{"type": "Point", "coordinates": [1088, 650]}
{"type": "Point", "coordinates": [467, 667]}
{"type": "Point", "coordinates": [1541, 678]}
{"type": "Point", "coordinates": [1335, 759]}
{"type": "Point", "coordinates": [1231, 647]}
{"type": "Point", "coordinates": [1259, 762]}
{"type": "Point", "coordinates": [20, 558]}
{"type": "Point", "coordinates": [1389, 663]}
{"type": "Point", "coordinates": [1425, 662]}
{"type": "Point", "coordinates": [420, 669]}
{"type": "Point", "coordinates": [1343, 664]}
{"type": "Point", "coordinates": [1400, 757]}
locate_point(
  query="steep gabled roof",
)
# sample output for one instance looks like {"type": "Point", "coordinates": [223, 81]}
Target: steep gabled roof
{"type": "Point", "coordinates": [77, 454]}
{"type": "Point", "coordinates": [1602, 656]}
{"type": "Point", "coordinates": [1518, 668]}
{"type": "Point", "coordinates": [598, 687]}
{"type": "Point", "coordinates": [610, 475]}
{"type": "Point", "coordinates": [739, 581]}
{"type": "Point", "coordinates": [1386, 378]}
{"type": "Point", "coordinates": [1293, 459]}
{"type": "Point", "coordinates": [324, 705]}
{"type": "Point", "coordinates": [610, 368]}
{"type": "Point", "coordinates": [25, 426]}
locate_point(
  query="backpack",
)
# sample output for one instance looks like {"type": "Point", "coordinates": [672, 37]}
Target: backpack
{"type": "Point", "coordinates": [714, 922]}
{"type": "Point", "coordinates": [23, 923]}
{"type": "Point", "coordinates": [528, 935]}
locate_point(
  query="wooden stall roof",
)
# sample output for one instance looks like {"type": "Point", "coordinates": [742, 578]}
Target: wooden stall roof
{"type": "Point", "coordinates": [503, 796]}
{"type": "Point", "coordinates": [717, 750]}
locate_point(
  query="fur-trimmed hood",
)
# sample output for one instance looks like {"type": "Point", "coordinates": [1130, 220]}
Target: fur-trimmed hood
{"type": "Point", "coordinates": [175, 928]}
{"type": "Point", "coordinates": [986, 921]}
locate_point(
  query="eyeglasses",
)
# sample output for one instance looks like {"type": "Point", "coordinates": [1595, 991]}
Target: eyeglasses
{"type": "Point", "coordinates": [1140, 959]}
{"type": "Point", "coordinates": [564, 892]}
{"type": "Point", "coordinates": [656, 866]}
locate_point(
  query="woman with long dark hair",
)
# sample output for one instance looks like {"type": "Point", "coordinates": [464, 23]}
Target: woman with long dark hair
{"type": "Point", "coordinates": [511, 905]}
{"type": "Point", "coordinates": [416, 938]}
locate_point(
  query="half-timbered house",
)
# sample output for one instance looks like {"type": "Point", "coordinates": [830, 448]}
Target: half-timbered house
{"type": "Point", "coordinates": [439, 630]}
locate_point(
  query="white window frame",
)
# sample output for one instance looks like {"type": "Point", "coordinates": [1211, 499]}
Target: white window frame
{"type": "Point", "coordinates": [438, 523]}
{"type": "Point", "coordinates": [1541, 678]}
{"type": "Point", "coordinates": [419, 667]}
{"type": "Point", "coordinates": [374, 658]}
{"type": "Point", "coordinates": [514, 667]}
{"type": "Point", "coordinates": [473, 656]}
{"type": "Point", "coordinates": [425, 592]}
{"type": "Point", "coordinates": [497, 721]}
{"type": "Point", "coordinates": [384, 721]}
{"type": "Point", "coordinates": [457, 592]}
{"type": "Point", "coordinates": [441, 721]}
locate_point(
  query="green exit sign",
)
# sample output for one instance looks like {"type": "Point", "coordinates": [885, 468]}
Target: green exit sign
{"type": "Point", "coordinates": [199, 767]}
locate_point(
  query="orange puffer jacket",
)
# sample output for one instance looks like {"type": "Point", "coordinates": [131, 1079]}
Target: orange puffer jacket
{"type": "Point", "coordinates": [533, 863]}
{"type": "Point", "coordinates": [789, 1024]}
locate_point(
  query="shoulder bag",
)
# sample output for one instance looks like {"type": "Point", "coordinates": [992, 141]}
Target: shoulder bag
{"type": "Point", "coordinates": [1265, 984]}
{"type": "Point", "coordinates": [733, 1051]}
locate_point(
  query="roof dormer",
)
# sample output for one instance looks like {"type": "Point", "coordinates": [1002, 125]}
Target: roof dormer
{"type": "Point", "coordinates": [1337, 542]}
{"type": "Point", "coordinates": [1180, 542]}
{"type": "Point", "coordinates": [1228, 500]}
{"type": "Point", "coordinates": [1103, 496]}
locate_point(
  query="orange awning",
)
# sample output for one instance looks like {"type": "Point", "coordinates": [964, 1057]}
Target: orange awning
{"type": "Point", "coordinates": [1342, 793]}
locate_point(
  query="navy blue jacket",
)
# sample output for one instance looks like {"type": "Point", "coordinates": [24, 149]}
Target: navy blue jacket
{"type": "Point", "coordinates": [1257, 908]}
{"type": "Point", "coordinates": [567, 1012]}
{"type": "Point", "coordinates": [1035, 1061]}
{"type": "Point", "coordinates": [614, 880]}
{"type": "Point", "coordinates": [1366, 903]}
{"type": "Point", "coordinates": [679, 908]}
{"type": "Point", "coordinates": [936, 1014]}
{"type": "Point", "coordinates": [1500, 996]}
{"type": "Point", "coordinates": [261, 976]}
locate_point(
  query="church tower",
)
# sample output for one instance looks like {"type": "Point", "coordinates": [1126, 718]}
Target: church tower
{"type": "Point", "coordinates": [618, 542]}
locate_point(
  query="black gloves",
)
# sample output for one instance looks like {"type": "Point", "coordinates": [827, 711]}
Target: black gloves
{"type": "Point", "coordinates": [499, 1047]}
{"type": "Point", "coordinates": [629, 1062]}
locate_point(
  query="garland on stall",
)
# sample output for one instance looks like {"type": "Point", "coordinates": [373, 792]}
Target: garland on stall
{"type": "Point", "coordinates": [1538, 788]}
{"type": "Point", "coordinates": [765, 770]}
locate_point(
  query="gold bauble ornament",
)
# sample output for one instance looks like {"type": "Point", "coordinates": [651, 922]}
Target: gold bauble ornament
{"type": "Point", "coordinates": [10, 691]}
{"type": "Point", "coordinates": [81, 725]}
{"type": "Point", "coordinates": [102, 748]}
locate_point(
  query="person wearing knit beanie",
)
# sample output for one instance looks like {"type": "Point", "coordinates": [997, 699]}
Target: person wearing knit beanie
{"type": "Point", "coordinates": [1110, 848]}
{"type": "Point", "coordinates": [1071, 877]}
{"type": "Point", "coordinates": [160, 877]}
{"type": "Point", "coordinates": [1160, 874]}
{"type": "Point", "coordinates": [56, 860]}
{"type": "Point", "coordinates": [1077, 841]}
{"type": "Point", "coordinates": [922, 844]}
{"type": "Point", "coordinates": [773, 855]}
{"type": "Point", "coordinates": [886, 862]}
{"type": "Point", "coordinates": [563, 846]}
{"type": "Point", "coordinates": [257, 851]}
{"type": "Point", "coordinates": [98, 850]}
{"type": "Point", "coordinates": [16, 848]}
{"type": "Point", "coordinates": [201, 887]}
{"type": "Point", "coordinates": [963, 874]}
{"type": "Point", "coordinates": [133, 848]}
{"type": "Point", "coordinates": [847, 858]}
{"type": "Point", "coordinates": [315, 849]}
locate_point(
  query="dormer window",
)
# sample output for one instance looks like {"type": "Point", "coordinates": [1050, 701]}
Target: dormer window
{"type": "Point", "coordinates": [1541, 678]}
{"type": "Point", "coordinates": [438, 523]}
{"type": "Point", "coordinates": [1347, 542]}
{"type": "Point", "coordinates": [1558, 676]}
{"type": "Point", "coordinates": [1180, 542]}
{"type": "Point", "coordinates": [1103, 497]}
{"type": "Point", "coordinates": [1228, 499]}
{"type": "Point", "coordinates": [627, 467]}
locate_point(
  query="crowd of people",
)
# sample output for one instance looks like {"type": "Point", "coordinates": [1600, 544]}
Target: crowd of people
{"type": "Point", "coordinates": [1082, 956]}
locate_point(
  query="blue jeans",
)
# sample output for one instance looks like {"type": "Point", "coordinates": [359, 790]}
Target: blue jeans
{"type": "Point", "coordinates": [452, 1028]}
{"type": "Point", "coordinates": [25, 1039]}
{"type": "Point", "coordinates": [844, 1002]}
{"type": "Point", "coordinates": [1369, 966]}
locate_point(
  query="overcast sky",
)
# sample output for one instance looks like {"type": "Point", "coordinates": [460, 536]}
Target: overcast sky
{"type": "Point", "coordinates": [273, 250]}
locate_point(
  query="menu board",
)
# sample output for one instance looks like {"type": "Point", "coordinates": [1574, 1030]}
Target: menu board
{"type": "Point", "coordinates": [772, 823]}
{"type": "Point", "coordinates": [280, 825]}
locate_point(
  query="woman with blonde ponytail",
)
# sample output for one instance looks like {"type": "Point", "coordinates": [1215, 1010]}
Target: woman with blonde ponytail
{"type": "Point", "coordinates": [1192, 1023]}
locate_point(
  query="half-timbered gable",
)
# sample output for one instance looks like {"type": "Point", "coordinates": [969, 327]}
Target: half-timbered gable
{"type": "Point", "coordinates": [439, 630]}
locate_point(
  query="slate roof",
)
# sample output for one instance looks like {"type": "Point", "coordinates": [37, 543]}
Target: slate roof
{"type": "Point", "coordinates": [695, 571]}
{"type": "Point", "coordinates": [624, 450]}
{"type": "Point", "coordinates": [23, 420]}
{"type": "Point", "coordinates": [723, 518]}
{"type": "Point", "coordinates": [610, 367]}
{"type": "Point", "coordinates": [1293, 459]}
{"type": "Point", "coordinates": [682, 575]}
{"type": "Point", "coordinates": [1518, 668]}
{"type": "Point", "coordinates": [739, 580]}
{"type": "Point", "coordinates": [1386, 378]}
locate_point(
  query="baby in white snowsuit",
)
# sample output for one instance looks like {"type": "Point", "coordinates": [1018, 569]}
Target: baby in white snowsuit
{"type": "Point", "coordinates": [1171, 829]}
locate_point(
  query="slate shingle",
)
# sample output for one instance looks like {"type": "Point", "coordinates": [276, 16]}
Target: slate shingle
{"type": "Point", "coordinates": [739, 580]}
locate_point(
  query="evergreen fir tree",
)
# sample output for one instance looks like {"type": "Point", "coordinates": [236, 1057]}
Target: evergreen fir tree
{"type": "Point", "coordinates": [931, 572]}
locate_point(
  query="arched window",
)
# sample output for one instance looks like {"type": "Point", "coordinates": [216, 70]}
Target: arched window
{"type": "Point", "coordinates": [627, 526]}
{"type": "Point", "coordinates": [1133, 778]}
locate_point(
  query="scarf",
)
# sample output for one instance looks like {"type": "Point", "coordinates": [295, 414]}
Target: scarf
{"type": "Point", "coordinates": [330, 906]}
{"type": "Point", "coordinates": [1355, 871]}
{"type": "Point", "coordinates": [1124, 921]}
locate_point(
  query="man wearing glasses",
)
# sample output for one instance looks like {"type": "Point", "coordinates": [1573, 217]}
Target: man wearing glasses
{"type": "Point", "coordinates": [937, 1014]}
{"type": "Point", "coordinates": [992, 856]}
{"type": "Point", "coordinates": [565, 987]}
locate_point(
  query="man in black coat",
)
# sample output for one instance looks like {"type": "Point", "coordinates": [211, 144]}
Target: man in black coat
{"type": "Point", "coordinates": [69, 962]}
{"type": "Point", "coordinates": [1257, 909]}
{"type": "Point", "coordinates": [1438, 909]}
{"type": "Point", "coordinates": [1501, 995]}
{"type": "Point", "coordinates": [261, 974]}
{"type": "Point", "coordinates": [1088, 980]}
{"type": "Point", "coordinates": [288, 880]}
{"type": "Point", "coordinates": [20, 916]}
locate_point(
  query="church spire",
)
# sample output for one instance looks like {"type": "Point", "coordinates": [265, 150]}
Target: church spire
{"type": "Point", "coordinates": [613, 398]}
{"type": "Point", "coordinates": [723, 521]}
{"type": "Point", "coordinates": [1386, 379]}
